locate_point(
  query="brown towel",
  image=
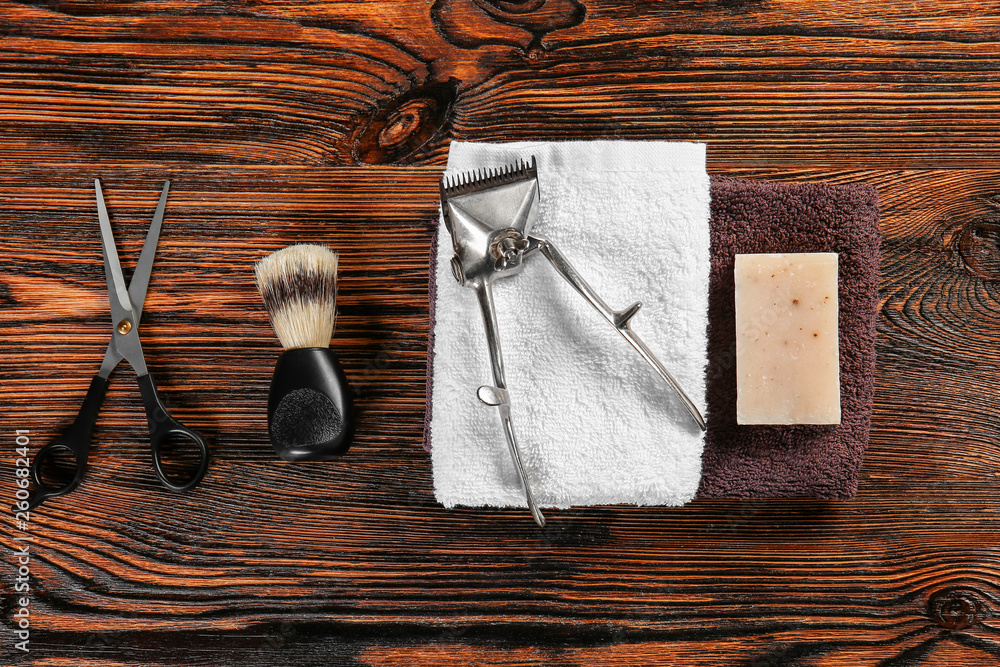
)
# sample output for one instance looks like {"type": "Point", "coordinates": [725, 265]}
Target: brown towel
{"type": "Point", "coordinates": [781, 461]}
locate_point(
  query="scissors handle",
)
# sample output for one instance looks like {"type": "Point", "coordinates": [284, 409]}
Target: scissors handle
{"type": "Point", "coordinates": [74, 440]}
{"type": "Point", "coordinates": [163, 428]}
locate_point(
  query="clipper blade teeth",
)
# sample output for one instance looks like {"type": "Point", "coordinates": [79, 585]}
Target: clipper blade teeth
{"type": "Point", "coordinates": [484, 178]}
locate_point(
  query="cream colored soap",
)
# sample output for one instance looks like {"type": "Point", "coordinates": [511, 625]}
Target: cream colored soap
{"type": "Point", "coordinates": [787, 355]}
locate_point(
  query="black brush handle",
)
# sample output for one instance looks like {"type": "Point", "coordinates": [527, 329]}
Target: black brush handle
{"type": "Point", "coordinates": [310, 414]}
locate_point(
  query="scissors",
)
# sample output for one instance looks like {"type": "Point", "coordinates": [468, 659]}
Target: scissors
{"type": "Point", "coordinates": [126, 311]}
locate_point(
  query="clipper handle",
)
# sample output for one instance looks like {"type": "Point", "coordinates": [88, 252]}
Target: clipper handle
{"type": "Point", "coordinates": [497, 396]}
{"type": "Point", "coordinates": [621, 320]}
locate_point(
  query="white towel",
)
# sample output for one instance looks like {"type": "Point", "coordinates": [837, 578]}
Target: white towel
{"type": "Point", "coordinates": [594, 422]}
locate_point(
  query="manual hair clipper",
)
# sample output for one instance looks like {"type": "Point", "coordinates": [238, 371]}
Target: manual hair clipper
{"type": "Point", "coordinates": [489, 214]}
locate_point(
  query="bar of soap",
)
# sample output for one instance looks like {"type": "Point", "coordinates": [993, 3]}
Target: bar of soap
{"type": "Point", "coordinates": [787, 353]}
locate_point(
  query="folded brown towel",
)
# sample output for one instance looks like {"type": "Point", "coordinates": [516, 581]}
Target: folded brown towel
{"type": "Point", "coordinates": [781, 461]}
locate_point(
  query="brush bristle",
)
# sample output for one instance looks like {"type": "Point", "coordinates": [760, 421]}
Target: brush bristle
{"type": "Point", "coordinates": [299, 288]}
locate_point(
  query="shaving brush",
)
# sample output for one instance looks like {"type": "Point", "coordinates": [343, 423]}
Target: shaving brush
{"type": "Point", "coordinates": [309, 407]}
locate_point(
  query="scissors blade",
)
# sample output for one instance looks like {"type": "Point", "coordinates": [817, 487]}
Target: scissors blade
{"type": "Point", "coordinates": [112, 357]}
{"type": "Point", "coordinates": [117, 291]}
{"type": "Point", "coordinates": [144, 267]}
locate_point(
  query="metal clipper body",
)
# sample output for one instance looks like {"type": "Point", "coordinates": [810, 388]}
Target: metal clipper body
{"type": "Point", "coordinates": [489, 214]}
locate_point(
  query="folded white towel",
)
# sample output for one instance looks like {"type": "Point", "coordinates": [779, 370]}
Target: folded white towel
{"type": "Point", "coordinates": [595, 423]}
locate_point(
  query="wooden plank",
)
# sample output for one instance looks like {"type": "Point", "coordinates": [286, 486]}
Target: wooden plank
{"type": "Point", "coordinates": [256, 109]}
{"type": "Point", "coordinates": [272, 563]}
{"type": "Point", "coordinates": [765, 84]}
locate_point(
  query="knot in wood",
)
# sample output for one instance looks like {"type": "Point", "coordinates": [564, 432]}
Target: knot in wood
{"type": "Point", "coordinates": [535, 55]}
{"type": "Point", "coordinates": [979, 248]}
{"type": "Point", "coordinates": [520, 23]}
{"type": "Point", "coordinates": [513, 6]}
{"type": "Point", "coordinates": [957, 608]}
{"type": "Point", "coordinates": [404, 122]}
{"type": "Point", "coordinates": [404, 126]}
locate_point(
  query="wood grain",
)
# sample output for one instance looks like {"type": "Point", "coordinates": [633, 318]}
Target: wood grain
{"type": "Point", "coordinates": [283, 121]}
{"type": "Point", "coordinates": [353, 562]}
{"type": "Point", "coordinates": [789, 82]}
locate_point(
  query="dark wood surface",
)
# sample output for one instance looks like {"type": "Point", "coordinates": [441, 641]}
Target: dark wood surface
{"type": "Point", "coordinates": [283, 121]}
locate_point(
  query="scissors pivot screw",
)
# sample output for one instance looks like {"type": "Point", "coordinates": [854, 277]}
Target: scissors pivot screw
{"type": "Point", "coordinates": [124, 327]}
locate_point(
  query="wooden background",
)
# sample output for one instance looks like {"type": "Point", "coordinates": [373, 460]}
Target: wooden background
{"type": "Point", "coordinates": [283, 121]}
